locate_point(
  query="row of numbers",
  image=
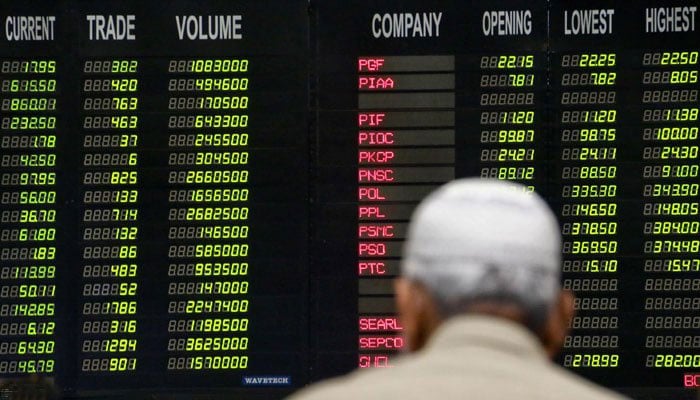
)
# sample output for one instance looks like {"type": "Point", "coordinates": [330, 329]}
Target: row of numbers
{"type": "Point", "coordinates": [29, 104]}
{"type": "Point", "coordinates": [110, 251]}
{"type": "Point", "coordinates": [200, 173]}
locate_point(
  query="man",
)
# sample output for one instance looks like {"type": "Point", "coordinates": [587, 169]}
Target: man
{"type": "Point", "coordinates": [480, 302]}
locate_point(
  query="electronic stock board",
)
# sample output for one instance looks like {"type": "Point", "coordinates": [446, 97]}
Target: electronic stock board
{"type": "Point", "coordinates": [212, 196]}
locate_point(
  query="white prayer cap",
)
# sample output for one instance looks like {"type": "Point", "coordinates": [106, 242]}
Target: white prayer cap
{"type": "Point", "coordinates": [477, 239]}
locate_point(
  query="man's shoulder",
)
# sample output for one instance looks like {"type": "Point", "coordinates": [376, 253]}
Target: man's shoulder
{"type": "Point", "coordinates": [542, 383]}
{"type": "Point", "coordinates": [358, 384]}
{"type": "Point", "coordinates": [575, 387]}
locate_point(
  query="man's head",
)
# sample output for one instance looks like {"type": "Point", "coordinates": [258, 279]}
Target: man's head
{"type": "Point", "coordinates": [483, 246]}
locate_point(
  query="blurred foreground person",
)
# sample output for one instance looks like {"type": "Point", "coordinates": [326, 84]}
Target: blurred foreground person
{"type": "Point", "coordinates": [480, 302]}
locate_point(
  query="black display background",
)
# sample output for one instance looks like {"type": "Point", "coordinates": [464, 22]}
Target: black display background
{"type": "Point", "coordinates": [344, 34]}
{"type": "Point", "coordinates": [306, 208]}
{"type": "Point", "coordinates": [279, 173]}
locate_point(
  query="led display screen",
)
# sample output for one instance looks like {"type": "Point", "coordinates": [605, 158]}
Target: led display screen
{"type": "Point", "coordinates": [210, 197]}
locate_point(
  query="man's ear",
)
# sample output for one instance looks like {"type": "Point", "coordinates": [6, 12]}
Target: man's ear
{"type": "Point", "coordinates": [417, 311]}
{"type": "Point", "coordinates": [557, 325]}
